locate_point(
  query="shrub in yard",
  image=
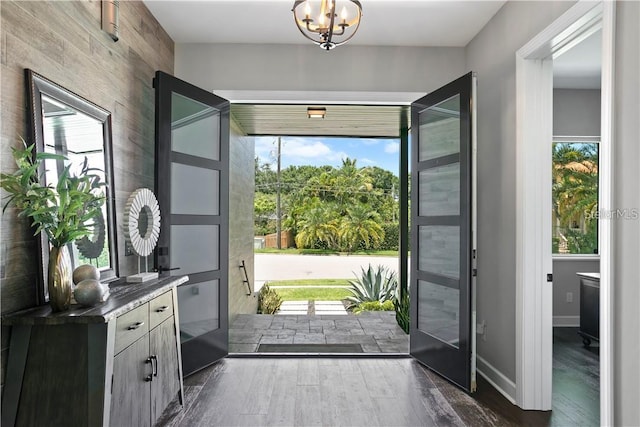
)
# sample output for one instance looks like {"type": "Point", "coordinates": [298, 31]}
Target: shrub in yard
{"type": "Point", "coordinates": [374, 284]}
{"type": "Point", "coordinates": [402, 310]}
{"type": "Point", "coordinates": [268, 300]}
{"type": "Point", "coordinates": [374, 306]}
{"type": "Point", "coordinates": [391, 236]}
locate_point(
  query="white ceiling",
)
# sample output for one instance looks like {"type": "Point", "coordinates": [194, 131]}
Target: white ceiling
{"type": "Point", "coordinates": [384, 22]}
{"type": "Point", "coordinates": [579, 67]}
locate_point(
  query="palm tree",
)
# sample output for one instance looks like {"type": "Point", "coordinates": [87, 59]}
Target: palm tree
{"type": "Point", "coordinates": [360, 225]}
{"type": "Point", "coordinates": [318, 223]}
{"type": "Point", "coordinates": [575, 193]}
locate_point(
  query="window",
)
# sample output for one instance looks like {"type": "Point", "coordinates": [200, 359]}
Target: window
{"type": "Point", "coordinates": [575, 196]}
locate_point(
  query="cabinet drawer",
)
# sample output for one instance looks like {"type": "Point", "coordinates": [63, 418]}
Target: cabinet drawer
{"type": "Point", "coordinates": [131, 326]}
{"type": "Point", "coordinates": [160, 309]}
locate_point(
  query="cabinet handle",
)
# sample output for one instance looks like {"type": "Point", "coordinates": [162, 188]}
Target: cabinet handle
{"type": "Point", "coordinates": [135, 326]}
{"type": "Point", "coordinates": [149, 377]}
{"type": "Point", "coordinates": [154, 366]}
{"type": "Point", "coordinates": [161, 309]}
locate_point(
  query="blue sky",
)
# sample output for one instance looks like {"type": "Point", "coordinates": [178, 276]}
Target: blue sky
{"type": "Point", "coordinates": [319, 151]}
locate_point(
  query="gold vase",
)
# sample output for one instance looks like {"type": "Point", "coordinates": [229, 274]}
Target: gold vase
{"type": "Point", "coordinates": [60, 279]}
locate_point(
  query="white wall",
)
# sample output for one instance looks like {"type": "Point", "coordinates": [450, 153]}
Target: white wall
{"type": "Point", "coordinates": [492, 55]}
{"type": "Point", "coordinates": [576, 112]}
{"type": "Point", "coordinates": [626, 283]}
{"type": "Point", "coordinates": [309, 68]}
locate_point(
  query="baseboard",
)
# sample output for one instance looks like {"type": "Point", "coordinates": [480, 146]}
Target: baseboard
{"type": "Point", "coordinates": [497, 379]}
{"type": "Point", "coordinates": [566, 321]}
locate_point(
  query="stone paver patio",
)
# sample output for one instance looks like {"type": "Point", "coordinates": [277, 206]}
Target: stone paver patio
{"type": "Point", "coordinates": [375, 331]}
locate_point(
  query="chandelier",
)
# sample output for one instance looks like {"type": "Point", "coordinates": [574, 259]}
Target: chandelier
{"type": "Point", "coordinates": [317, 20]}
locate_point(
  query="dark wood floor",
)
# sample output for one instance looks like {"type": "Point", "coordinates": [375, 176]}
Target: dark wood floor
{"type": "Point", "coordinates": [376, 392]}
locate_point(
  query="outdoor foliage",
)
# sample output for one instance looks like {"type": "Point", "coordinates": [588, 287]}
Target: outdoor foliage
{"type": "Point", "coordinates": [391, 239]}
{"type": "Point", "coordinates": [401, 303]}
{"type": "Point", "coordinates": [64, 212]}
{"type": "Point", "coordinates": [374, 284]}
{"type": "Point", "coordinates": [317, 224]}
{"type": "Point", "coordinates": [264, 214]}
{"type": "Point", "coordinates": [374, 306]}
{"type": "Point", "coordinates": [269, 301]}
{"type": "Point", "coordinates": [360, 225]}
{"type": "Point", "coordinates": [575, 197]}
{"type": "Point", "coordinates": [342, 209]}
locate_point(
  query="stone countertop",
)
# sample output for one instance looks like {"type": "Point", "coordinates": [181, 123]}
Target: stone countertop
{"type": "Point", "coordinates": [589, 275]}
{"type": "Point", "coordinates": [124, 297]}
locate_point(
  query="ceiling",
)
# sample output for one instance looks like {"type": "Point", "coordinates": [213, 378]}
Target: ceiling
{"type": "Point", "coordinates": [340, 120]}
{"type": "Point", "coordinates": [579, 67]}
{"type": "Point", "coordinates": [384, 22]}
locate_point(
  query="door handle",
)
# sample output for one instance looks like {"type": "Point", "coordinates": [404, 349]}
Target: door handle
{"type": "Point", "coordinates": [154, 366]}
{"type": "Point", "coordinates": [135, 326]}
{"type": "Point", "coordinates": [149, 377]}
{"type": "Point", "coordinates": [162, 309]}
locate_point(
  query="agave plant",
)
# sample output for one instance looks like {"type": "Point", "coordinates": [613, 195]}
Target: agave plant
{"type": "Point", "coordinates": [374, 284]}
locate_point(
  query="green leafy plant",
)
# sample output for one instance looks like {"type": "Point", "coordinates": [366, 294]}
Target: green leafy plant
{"type": "Point", "coordinates": [64, 212]}
{"type": "Point", "coordinates": [401, 303]}
{"type": "Point", "coordinates": [374, 306]}
{"type": "Point", "coordinates": [374, 284]}
{"type": "Point", "coordinates": [269, 301]}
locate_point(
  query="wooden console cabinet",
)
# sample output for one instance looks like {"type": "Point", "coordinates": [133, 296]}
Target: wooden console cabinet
{"type": "Point", "coordinates": [116, 364]}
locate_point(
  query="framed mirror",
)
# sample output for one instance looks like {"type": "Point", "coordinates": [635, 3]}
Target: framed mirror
{"type": "Point", "coordinates": [64, 123]}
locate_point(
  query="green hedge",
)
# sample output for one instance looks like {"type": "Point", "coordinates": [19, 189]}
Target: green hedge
{"type": "Point", "coordinates": [391, 236]}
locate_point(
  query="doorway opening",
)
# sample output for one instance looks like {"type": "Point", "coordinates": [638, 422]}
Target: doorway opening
{"type": "Point", "coordinates": [332, 203]}
{"type": "Point", "coordinates": [576, 258]}
{"type": "Point", "coordinates": [535, 262]}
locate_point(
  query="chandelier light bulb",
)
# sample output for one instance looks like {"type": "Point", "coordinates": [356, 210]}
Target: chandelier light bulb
{"type": "Point", "coordinates": [330, 29]}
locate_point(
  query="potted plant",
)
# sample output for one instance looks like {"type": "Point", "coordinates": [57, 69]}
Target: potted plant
{"type": "Point", "coordinates": [64, 212]}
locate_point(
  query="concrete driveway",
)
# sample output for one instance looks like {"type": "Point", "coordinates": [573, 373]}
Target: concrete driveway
{"type": "Point", "coordinates": [286, 267]}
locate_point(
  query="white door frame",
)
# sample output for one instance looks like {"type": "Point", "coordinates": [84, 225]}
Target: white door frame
{"type": "Point", "coordinates": [534, 297]}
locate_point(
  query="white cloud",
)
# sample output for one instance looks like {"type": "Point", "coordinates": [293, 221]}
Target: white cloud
{"type": "Point", "coordinates": [392, 147]}
{"type": "Point", "coordinates": [367, 161]}
{"type": "Point", "coordinates": [310, 151]}
{"type": "Point", "coordinates": [266, 149]}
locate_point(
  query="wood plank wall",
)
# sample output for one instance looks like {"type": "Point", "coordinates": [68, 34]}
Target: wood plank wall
{"type": "Point", "coordinates": [63, 41]}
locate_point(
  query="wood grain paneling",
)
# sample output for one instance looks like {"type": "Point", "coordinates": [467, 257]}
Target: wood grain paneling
{"type": "Point", "coordinates": [166, 385]}
{"type": "Point", "coordinates": [55, 374]}
{"type": "Point", "coordinates": [63, 41]}
{"type": "Point", "coordinates": [131, 396]}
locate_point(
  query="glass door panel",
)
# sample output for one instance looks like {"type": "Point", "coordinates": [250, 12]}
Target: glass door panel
{"type": "Point", "coordinates": [192, 184]}
{"type": "Point", "coordinates": [441, 262]}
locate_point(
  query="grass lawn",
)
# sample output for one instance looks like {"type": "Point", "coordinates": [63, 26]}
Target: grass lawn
{"type": "Point", "coordinates": [310, 282]}
{"type": "Point", "coordinates": [316, 294]}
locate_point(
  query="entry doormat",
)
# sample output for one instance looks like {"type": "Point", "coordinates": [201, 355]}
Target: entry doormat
{"type": "Point", "coordinates": [310, 348]}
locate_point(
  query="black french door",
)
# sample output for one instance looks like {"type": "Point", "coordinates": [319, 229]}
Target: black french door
{"type": "Point", "coordinates": [192, 186]}
{"type": "Point", "coordinates": [442, 247]}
